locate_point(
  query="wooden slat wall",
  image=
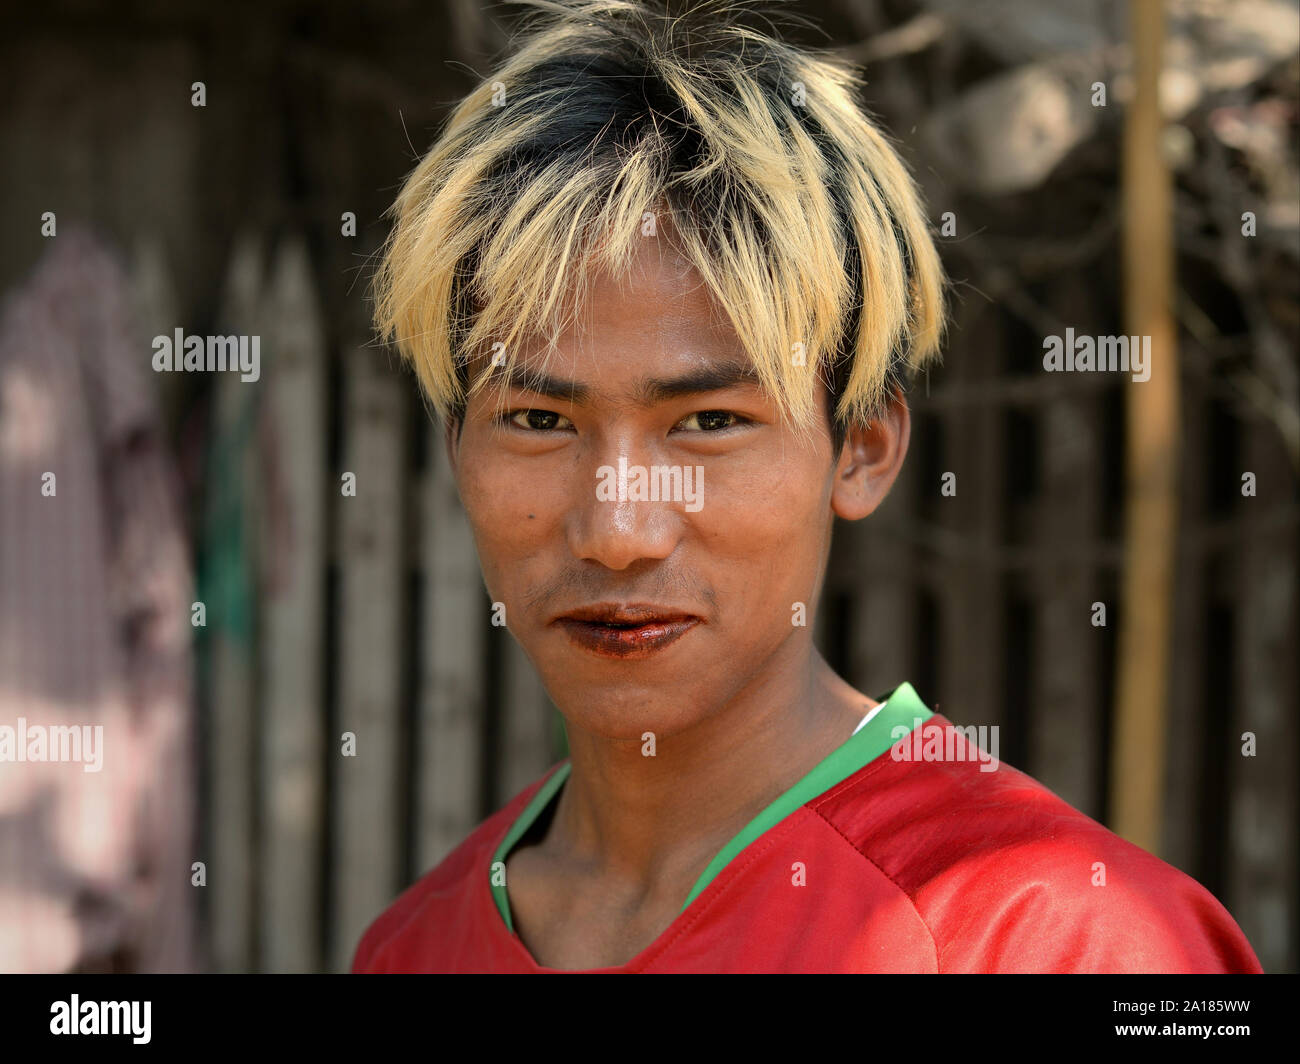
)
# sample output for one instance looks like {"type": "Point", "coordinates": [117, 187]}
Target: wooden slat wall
{"type": "Point", "coordinates": [301, 846]}
{"type": "Point", "coordinates": [307, 846]}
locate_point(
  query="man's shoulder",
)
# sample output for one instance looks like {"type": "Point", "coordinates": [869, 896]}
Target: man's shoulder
{"type": "Point", "coordinates": [1007, 876]}
{"type": "Point", "coordinates": [453, 876]}
{"type": "Point", "coordinates": [936, 790]}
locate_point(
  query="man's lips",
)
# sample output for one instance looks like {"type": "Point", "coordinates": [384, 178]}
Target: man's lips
{"type": "Point", "coordinates": [634, 631]}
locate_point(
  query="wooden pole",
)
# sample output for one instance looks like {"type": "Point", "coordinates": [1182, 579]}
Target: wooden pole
{"type": "Point", "coordinates": [290, 719]}
{"type": "Point", "coordinates": [1151, 458]}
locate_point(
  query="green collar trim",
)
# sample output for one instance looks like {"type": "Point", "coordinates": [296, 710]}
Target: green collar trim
{"type": "Point", "coordinates": [902, 708]}
{"type": "Point", "coordinates": [532, 810]}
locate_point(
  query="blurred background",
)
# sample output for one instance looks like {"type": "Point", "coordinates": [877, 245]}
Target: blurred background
{"type": "Point", "coordinates": [201, 583]}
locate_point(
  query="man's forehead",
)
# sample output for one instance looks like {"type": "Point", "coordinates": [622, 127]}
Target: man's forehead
{"type": "Point", "coordinates": [638, 339]}
{"type": "Point", "coordinates": [659, 290]}
{"type": "Point", "coordinates": [631, 334]}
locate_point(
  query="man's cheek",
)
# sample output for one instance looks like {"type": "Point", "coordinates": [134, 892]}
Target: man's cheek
{"type": "Point", "coordinates": [500, 514]}
{"type": "Point", "coordinates": [766, 520]}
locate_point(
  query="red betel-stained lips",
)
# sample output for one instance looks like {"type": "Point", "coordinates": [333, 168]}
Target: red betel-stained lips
{"type": "Point", "coordinates": [633, 631]}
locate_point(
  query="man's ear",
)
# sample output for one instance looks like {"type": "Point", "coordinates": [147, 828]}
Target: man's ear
{"type": "Point", "coordinates": [870, 459]}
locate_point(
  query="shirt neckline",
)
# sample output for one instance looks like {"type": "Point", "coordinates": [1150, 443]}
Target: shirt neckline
{"type": "Point", "coordinates": [901, 707]}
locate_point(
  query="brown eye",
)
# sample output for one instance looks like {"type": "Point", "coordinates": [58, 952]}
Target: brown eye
{"type": "Point", "coordinates": [536, 420]}
{"type": "Point", "coordinates": [711, 420]}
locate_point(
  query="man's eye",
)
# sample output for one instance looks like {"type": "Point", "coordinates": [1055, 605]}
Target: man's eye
{"type": "Point", "coordinates": [536, 420]}
{"type": "Point", "coordinates": [710, 420]}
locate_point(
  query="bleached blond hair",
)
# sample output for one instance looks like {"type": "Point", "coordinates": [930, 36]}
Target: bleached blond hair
{"type": "Point", "coordinates": [754, 156]}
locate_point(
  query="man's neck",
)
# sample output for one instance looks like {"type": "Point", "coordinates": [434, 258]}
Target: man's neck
{"type": "Point", "coordinates": [651, 820]}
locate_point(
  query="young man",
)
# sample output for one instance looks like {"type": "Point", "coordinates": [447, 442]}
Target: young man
{"type": "Point", "coordinates": [665, 282]}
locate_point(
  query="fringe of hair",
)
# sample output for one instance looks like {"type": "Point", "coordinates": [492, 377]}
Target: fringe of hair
{"type": "Point", "coordinates": [754, 158]}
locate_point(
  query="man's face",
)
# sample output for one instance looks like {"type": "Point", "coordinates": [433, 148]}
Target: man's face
{"type": "Point", "coordinates": [644, 614]}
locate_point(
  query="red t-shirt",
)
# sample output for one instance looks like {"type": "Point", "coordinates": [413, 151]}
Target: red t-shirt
{"type": "Point", "coordinates": [905, 864]}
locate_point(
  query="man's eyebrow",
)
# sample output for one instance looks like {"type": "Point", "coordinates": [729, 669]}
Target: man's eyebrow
{"type": "Point", "coordinates": [529, 380]}
{"type": "Point", "coordinates": [704, 379]}
{"type": "Point", "coordinates": [652, 390]}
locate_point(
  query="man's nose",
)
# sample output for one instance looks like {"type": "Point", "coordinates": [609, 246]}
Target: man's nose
{"type": "Point", "coordinates": [609, 525]}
